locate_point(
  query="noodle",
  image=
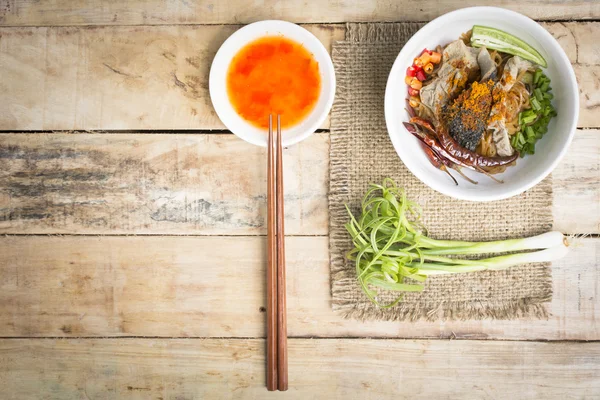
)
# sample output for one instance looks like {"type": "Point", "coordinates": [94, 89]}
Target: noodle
{"type": "Point", "coordinates": [466, 37]}
{"type": "Point", "coordinates": [517, 99]}
{"type": "Point", "coordinates": [492, 149]}
{"type": "Point", "coordinates": [486, 146]}
{"type": "Point", "coordinates": [513, 126]}
{"type": "Point", "coordinates": [496, 57]}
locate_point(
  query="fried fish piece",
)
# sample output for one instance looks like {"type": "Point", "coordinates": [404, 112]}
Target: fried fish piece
{"type": "Point", "coordinates": [467, 116]}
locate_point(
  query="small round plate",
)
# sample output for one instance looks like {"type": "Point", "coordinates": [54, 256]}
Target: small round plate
{"type": "Point", "coordinates": [218, 81]}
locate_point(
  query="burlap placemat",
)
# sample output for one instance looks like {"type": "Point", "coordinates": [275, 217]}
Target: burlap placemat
{"type": "Point", "coordinates": [361, 153]}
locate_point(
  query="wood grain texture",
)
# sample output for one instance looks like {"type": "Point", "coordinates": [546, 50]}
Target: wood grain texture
{"type": "Point", "coordinates": [160, 12]}
{"type": "Point", "coordinates": [92, 78]}
{"type": "Point", "coordinates": [576, 186]}
{"type": "Point", "coordinates": [325, 369]}
{"type": "Point", "coordinates": [205, 185]}
{"type": "Point", "coordinates": [144, 77]}
{"type": "Point", "coordinates": [579, 41]}
{"type": "Point", "coordinates": [156, 77]}
{"type": "Point", "coordinates": [159, 183]}
{"type": "Point", "coordinates": [216, 287]}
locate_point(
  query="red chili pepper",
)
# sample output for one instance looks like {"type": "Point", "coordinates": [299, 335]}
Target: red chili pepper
{"type": "Point", "coordinates": [411, 71]}
{"type": "Point", "coordinates": [425, 51]}
{"type": "Point", "coordinates": [413, 92]}
{"type": "Point", "coordinates": [460, 155]}
{"type": "Point", "coordinates": [417, 70]}
{"type": "Point", "coordinates": [421, 75]}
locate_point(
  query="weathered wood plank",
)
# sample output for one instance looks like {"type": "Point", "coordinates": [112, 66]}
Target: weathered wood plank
{"type": "Point", "coordinates": [330, 369]}
{"type": "Point", "coordinates": [156, 12]}
{"type": "Point", "coordinates": [145, 77]}
{"type": "Point", "coordinates": [204, 286]}
{"type": "Point", "coordinates": [588, 80]}
{"type": "Point", "coordinates": [576, 186]}
{"type": "Point", "coordinates": [174, 184]}
{"type": "Point", "coordinates": [205, 184]}
{"type": "Point", "coordinates": [578, 39]}
{"type": "Point", "coordinates": [113, 77]}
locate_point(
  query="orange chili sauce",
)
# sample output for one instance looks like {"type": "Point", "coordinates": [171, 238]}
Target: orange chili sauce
{"type": "Point", "coordinates": [273, 75]}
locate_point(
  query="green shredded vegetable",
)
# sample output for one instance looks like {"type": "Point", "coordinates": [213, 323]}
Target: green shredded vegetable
{"type": "Point", "coordinates": [392, 252]}
{"type": "Point", "coordinates": [384, 237]}
{"type": "Point", "coordinates": [533, 123]}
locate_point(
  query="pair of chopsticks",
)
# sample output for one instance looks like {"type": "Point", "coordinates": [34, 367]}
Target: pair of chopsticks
{"type": "Point", "coordinates": [277, 373]}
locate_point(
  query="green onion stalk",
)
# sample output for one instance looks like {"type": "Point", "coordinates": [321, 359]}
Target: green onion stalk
{"type": "Point", "coordinates": [391, 250]}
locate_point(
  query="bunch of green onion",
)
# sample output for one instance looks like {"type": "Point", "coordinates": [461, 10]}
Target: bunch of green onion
{"type": "Point", "coordinates": [533, 123]}
{"type": "Point", "coordinates": [391, 250]}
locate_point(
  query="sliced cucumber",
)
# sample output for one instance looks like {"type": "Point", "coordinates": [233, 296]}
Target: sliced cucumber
{"type": "Point", "coordinates": [496, 39]}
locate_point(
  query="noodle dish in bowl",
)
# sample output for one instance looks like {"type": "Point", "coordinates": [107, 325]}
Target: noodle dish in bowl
{"type": "Point", "coordinates": [484, 110]}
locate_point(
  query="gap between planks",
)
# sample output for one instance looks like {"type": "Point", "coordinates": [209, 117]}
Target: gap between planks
{"type": "Point", "coordinates": [341, 24]}
{"type": "Point", "coordinates": [162, 131]}
{"type": "Point", "coordinates": [136, 131]}
{"type": "Point", "coordinates": [190, 235]}
{"type": "Point", "coordinates": [315, 22]}
{"type": "Point", "coordinates": [330, 338]}
{"type": "Point", "coordinates": [258, 235]}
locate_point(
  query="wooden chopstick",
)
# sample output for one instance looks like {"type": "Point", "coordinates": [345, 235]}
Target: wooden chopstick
{"type": "Point", "coordinates": [282, 367]}
{"type": "Point", "coordinates": [272, 304]}
{"type": "Point", "coordinates": [277, 365]}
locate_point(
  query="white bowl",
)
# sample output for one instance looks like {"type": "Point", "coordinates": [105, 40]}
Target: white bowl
{"type": "Point", "coordinates": [549, 150]}
{"type": "Point", "coordinates": [218, 81]}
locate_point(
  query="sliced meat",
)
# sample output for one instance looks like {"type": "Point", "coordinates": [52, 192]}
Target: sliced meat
{"type": "Point", "coordinates": [512, 69]}
{"type": "Point", "coordinates": [501, 139]}
{"type": "Point", "coordinates": [458, 64]}
{"type": "Point", "coordinates": [486, 65]}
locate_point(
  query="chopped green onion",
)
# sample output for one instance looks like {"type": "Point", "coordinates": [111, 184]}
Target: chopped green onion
{"type": "Point", "coordinates": [538, 94]}
{"type": "Point", "coordinates": [533, 122]}
{"type": "Point", "coordinates": [529, 132]}
{"type": "Point", "coordinates": [536, 76]}
{"type": "Point", "coordinates": [528, 119]}
{"type": "Point", "coordinates": [527, 78]}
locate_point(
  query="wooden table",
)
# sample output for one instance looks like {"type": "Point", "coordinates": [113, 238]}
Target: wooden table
{"type": "Point", "coordinates": [133, 261]}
